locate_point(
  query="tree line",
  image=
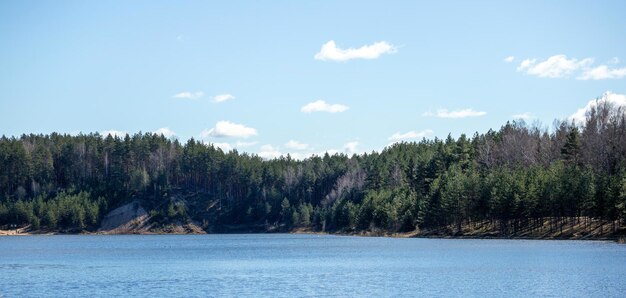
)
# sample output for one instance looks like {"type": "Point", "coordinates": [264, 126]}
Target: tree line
{"type": "Point", "coordinates": [515, 177]}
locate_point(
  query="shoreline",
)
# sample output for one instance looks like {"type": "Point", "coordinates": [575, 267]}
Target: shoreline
{"type": "Point", "coordinates": [618, 239]}
{"type": "Point", "coordinates": [549, 229]}
{"type": "Point", "coordinates": [413, 234]}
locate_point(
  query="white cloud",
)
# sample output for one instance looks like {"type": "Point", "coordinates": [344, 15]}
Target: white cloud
{"type": "Point", "coordinates": [410, 135]}
{"type": "Point", "coordinates": [269, 152]}
{"type": "Point", "coordinates": [557, 66]}
{"type": "Point", "coordinates": [330, 152]}
{"type": "Point", "coordinates": [230, 146]}
{"type": "Point", "coordinates": [189, 95]}
{"type": "Point", "coordinates": [222, 97]}
{"type": "Point", "coordinates": [350, 147]}
{"type": "Point", "coordinates": [444, 113]}
{"type": "Point", "coordinates": [224, 146]}
{"type": "Point", "coordinates": [240, 144]}
{"type": "Point", "coordinates": [330, 51]}
{"type": "Point", "coordinates": [113, 133]}
{"type": "Point", "coordinates": [618, 100]}
{"type": "Point", "coordinates": [526, 64]}
{"type": "Point", "coordinates": [295, 145]}
{"type": "Point", "coordinates": [229, 129]}
{"type": "Point", "coordinates": [301, 155]}
{"type": "Point", "coordinates": [523, 116]}
{"type": "Point", "coordinates": [603, 72]}
{"type": "Point", "coordinates": [165, 131]}
{"type": "Point", "coordinates": [322, 106]}
{"type": "Point", "coordinates": [509, 59]}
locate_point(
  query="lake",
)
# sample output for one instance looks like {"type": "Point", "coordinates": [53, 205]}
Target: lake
{"type": "Point", "coordinates": [285, 265]}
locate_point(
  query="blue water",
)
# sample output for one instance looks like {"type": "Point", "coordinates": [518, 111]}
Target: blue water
{"type": "Point", "coordinates": [282, 265]}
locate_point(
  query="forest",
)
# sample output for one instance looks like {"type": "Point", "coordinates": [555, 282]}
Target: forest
{"type": "Point", "coordinates": [514, 178]}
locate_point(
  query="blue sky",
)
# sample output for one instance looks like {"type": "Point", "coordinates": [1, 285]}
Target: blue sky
{"type": "Point", "coordinates": [415, 69]}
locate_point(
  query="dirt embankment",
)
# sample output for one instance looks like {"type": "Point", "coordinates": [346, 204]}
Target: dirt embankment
{"type": "Point", "coordinates": [132, 218]}
{"type": "Point", "coordinates": [127, 219]}
{"type": "Point", "coordinates": [16, 232]}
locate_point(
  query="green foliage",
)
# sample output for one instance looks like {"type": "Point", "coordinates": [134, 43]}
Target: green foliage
{"type": "Point", "coordinates": [305, 212]}
{"type": "Point", "coordinates": [63, 211]}
{"type": "Point", "coordinates": [516, 173]}
{"type": "Point", "coordinates": [285, 211]}
{"type": "Point", "coordinates": [621, 204]}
